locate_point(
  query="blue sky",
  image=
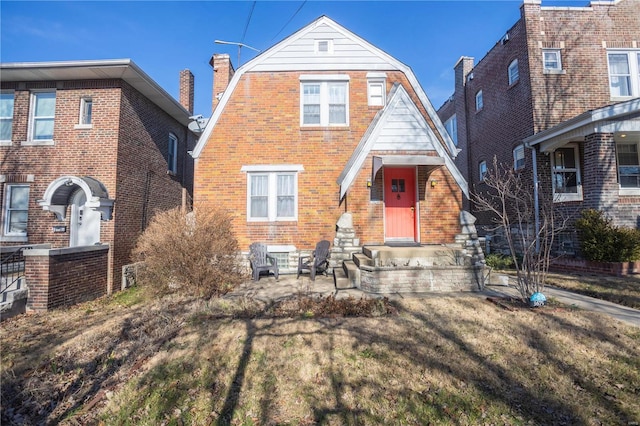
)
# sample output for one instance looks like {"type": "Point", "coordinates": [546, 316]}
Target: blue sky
{"type": "Point", "coordinates": [165, 37]}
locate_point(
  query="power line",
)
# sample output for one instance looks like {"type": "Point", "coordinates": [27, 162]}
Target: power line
{"type": "Point", "coordinates": [246, 26]}
{"type": "Point", "coordinates": [290, 19]}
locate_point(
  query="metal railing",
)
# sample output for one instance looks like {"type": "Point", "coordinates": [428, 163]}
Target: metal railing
{"type": "Point", "coordinates": [11, 269]}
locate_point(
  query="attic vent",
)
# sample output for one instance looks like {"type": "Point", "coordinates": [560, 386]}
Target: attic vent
{"type": "Point", "coordinates": [324, 46]}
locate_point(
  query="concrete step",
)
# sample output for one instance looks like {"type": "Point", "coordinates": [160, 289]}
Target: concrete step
{"type": "Point", "coordinates": [362, 259]}
{"type": "Point", "coordinates": [352, 272]}
{"type": "Point", "coordinates": [340, 279]}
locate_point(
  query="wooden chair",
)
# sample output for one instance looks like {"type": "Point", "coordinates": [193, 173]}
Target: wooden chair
{"type": "Point", "coordinates": [318, 262]}
{"type": "Point", "coordinates": [262, 261]}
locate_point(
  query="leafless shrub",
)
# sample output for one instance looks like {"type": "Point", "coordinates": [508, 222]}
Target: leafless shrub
{"type": "Point", "coordinates": [193, 253]}
{"type": "Point", "coordinates": [529, 224]}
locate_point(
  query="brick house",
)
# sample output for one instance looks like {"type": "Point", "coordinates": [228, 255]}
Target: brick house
{"type": "Point", "coordinates": [321, 124]}
{"type": "Point", "coordinates": [90, 150]}
{"type": "Point", "coordinates": [556, 98]}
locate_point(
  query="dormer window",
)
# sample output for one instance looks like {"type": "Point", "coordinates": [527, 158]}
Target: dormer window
{"type": "Point", "coordinates": [324, 46]}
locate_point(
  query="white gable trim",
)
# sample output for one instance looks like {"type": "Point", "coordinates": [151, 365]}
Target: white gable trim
{"type": "Point", "coordinates": [395, 64]}
{"type": "Point", "coordinates": [398, 96]}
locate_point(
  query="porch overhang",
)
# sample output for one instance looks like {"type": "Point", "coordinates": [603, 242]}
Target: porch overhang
{"type": "Point", "coordinates": [58, 195]}
{"type": "Point", "coordinates": [620, 117]}
{"type": "Point", "coordinates": [432, 162]}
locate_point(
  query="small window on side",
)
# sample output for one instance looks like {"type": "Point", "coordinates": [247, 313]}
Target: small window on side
{"type": "Point", "coordinates": [86, 109]}
{"type": "Point", "coordinates": [518, 157]}
{"type": "Point", "coordinates": [452, 128]}
{"type": "Point", "coordinates": [172, 154]}
{"type": "Point", "coordinates": [551, 60]}
{"type": "Point", "coordinates": [514, 72]}
{"type": "Point", "coordinates": [479, 100]}
{"type": "Point", "coordinates": [482, 168]}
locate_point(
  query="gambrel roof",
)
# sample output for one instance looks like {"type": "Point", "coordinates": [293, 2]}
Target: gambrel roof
{"type": "Point", "coordinates": [350, 52]}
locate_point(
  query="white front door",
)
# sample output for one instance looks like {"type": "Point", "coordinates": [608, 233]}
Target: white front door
{"type": "Point", "coordinates": [85, 222]}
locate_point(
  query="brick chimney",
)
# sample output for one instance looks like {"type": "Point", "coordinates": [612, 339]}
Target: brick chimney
{"type": "Point", "coordinates": [222, 73]}
{"type": "Point", "coordinates": [186, 90]}
{"type": "Point", "coordinates": [462, 69]}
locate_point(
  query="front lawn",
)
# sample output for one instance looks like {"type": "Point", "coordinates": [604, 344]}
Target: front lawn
{"type": "Point", "coordinates": [622, 290]}
{"type": "Point", "coordinates": [441, 360]}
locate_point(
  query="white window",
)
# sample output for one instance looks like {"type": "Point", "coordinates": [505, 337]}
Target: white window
{"type": "Point", "coordinates": [482, 168]}
{"type": "Point", "coordinates": [16, 210]}
{"type": "Point", "coordinates": [452, 128]}
{"type": "Point", "coordinates": [6, 116]}
{"type": "Point", "coordinates": [272, 195]}
{"type": "Point", "coordinates": [624, 73]}
{"type": "Point", "coordinates": [552, 61]}
{"type": "Point", "coordinates": [518, 157]}
{"type": "Point", "coordinates": [43, 107]}
{"type": "Point", "coordinates": [628, 165]}
{"type": "Point", "coordinates": [479, 101]}
{"type": "Point", "coordinates": [566, 174]}
{"type": "Point", "coordinates": [514, 72]}
{"type": "Point", "coordinates": [324, 103]}
{"type": "Point", "coordinates": [376, 92]}
{"type": "Point", "coordinates": [172, 154]}
{"type": "Point", "coordinates": [86, 109]}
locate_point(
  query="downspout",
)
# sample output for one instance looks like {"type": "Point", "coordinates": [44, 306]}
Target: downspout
{"type": "Point", "coordinates": [536, 203]}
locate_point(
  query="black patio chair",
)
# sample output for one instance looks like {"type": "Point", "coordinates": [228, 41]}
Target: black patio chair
{"type": "Point", "coordinates": [318, 262]}
{"type": "Point", "coordinates": [262, 261]}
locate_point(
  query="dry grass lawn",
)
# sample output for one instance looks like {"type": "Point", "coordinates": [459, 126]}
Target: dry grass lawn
{"type": "Point", "coordinates": [441, 360]}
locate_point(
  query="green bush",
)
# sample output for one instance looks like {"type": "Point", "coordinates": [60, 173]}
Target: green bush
{"type": "Point", "coordinates": [499, 261]}
{"type": "Point", "coordinates": [191, 253]}
{"type": "Point", "coordinates": [601, 241]}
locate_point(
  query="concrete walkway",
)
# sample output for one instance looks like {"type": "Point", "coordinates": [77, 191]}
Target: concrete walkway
{"type": "Point", "coordinates": [268, 290]}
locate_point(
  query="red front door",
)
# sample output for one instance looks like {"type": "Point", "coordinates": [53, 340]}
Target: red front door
{"type": "Point", "coordinates": [400, 203]}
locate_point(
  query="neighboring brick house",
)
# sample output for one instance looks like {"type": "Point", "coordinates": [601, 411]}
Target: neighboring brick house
{"type": "Point", "coordinates": [89, 151]}
{"type": "Point", "coordinates": [557, 98]}
{"type": "Point", "coordinates": [321, 124]}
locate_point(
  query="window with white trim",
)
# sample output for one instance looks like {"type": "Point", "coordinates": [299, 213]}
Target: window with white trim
{"type": "Point", "coordinates": [324, 103]}
{"type": "Point", "coordinates": [172, 154]}
{"type": "Point", "coordinates": [514, 72]}
{"type": "Point", "coordinates": [628, 165]}
{"type": "Point", "coordinates": [479, 100]}
{"type": "Point", "coordinates": [41, 116]}
{"type": "Point", "coordinates": [452, 128]}
{"type": "Point", "coordinates": [624, 73]}
{"type": "Point", "coordinates": [565, 166]}
{"type": "Point", "coordinates": [6, 116]}
{"type": "Point", "coordinates": [86, 109]}
{"type": "Point", "coordinates": [272, 195]}
{"type": "Point", "coordinates": [552, 60]}
{"type": "Point", "coordinates": [376, 92]}
{"type": "Point", "coordinates": [482, 168]}
{"type": "Point", "coordinates": [16, 208]}
{"type": "Point", "coordinates": [518, 157]}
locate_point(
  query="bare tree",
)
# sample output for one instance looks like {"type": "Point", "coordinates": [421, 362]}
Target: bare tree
{"type": "Point", "coordinates": [512, 201]}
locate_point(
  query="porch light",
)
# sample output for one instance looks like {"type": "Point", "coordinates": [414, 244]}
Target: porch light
{"type": "Point", "coordinates": [434, 183]}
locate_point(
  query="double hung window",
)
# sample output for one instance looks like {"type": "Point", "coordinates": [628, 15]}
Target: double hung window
{"type": "Point", "coordinates": [624, 73]}
{"type": "Point", "coordinates": [482, 168]}
{"type": "Point", "coordinates": [43, 107]}
{"type": "Point", "coordinates": [552, 61]}
{"type": "Point", "coordinates": [566, 174]}
{"type": "Point", "coordinates": [86, 109]}
{"type": "Point", "coordinates": [452, 128]}
{"type": "Point", "coordinates": [518, 157]}
{"type": "Point", "coordinates": [272, 195]}
{"type": "Point", "coordinates": [479, 100]}
{"type": "Point", "coordinates": [16, 210]}
{"type": "Point", "coordinates": [325, 103]}
{"type": "Point", "coordinates": [6, 116]}
{"type": "Point", "coordinates": [628, 166]}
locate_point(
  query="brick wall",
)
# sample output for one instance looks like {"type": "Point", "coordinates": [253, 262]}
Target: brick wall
{"type": "Point", "coordinates": [260, 125]}
{"type": "Point", "coordinates": [63, 277]}
{"type": "Point", "coordinates": [125, 149]}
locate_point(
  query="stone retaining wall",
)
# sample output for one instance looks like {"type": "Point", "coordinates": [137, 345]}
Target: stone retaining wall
{"type": "Point", "coordinates": [422, 279]}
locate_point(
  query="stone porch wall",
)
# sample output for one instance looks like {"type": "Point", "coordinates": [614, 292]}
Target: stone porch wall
{"type": "Point", "coordinates": [421, 279]}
